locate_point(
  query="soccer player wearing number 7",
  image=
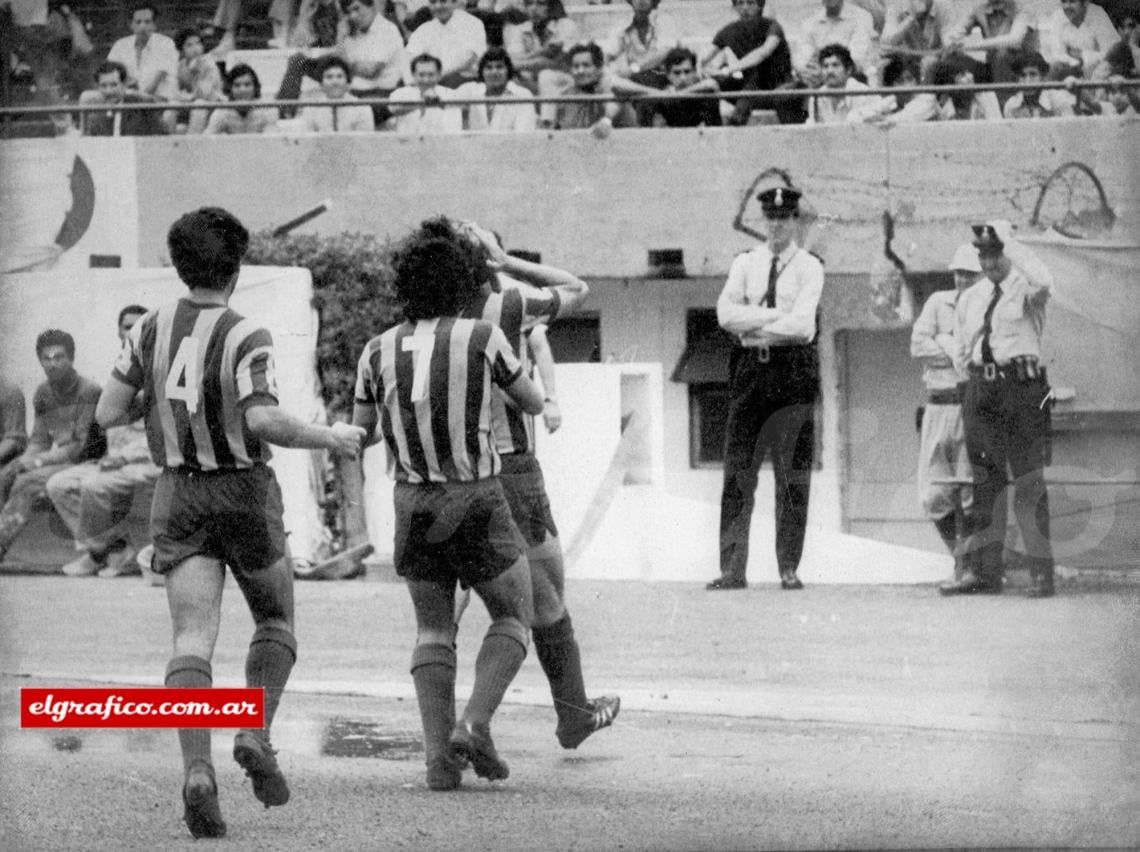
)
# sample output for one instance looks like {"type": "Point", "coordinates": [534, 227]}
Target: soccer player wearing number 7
{"type": "Point", "coordinates": [428, 384]}
{"type": "Point", "coordinates": [203, 378]}
{"type": "Point", "coordinates": [530, 294]}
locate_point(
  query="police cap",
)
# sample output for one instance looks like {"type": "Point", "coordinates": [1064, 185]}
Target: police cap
{"type": "Point", "coordinates": [986, 240]}
{"type": "Point", "coordinates": [780, 201]}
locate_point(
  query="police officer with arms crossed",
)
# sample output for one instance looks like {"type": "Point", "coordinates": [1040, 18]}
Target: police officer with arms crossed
{"type": "Point", "coordinates": [769, 302]}
{"type": "Point", "coordinates": [1006, 408]}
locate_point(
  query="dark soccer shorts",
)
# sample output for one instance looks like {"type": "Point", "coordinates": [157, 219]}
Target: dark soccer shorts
{"type": "Point", "coordinates": [454, 530]}
{"type": "Point", "coordinates": [233, 516]}
{"type": "Point", "coordinates": [525, 488]}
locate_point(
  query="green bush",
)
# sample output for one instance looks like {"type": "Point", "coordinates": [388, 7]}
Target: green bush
{"type": "Point", "coordinates": [352, 292]}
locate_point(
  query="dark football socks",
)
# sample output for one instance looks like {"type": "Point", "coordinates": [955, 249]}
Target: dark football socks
{"type": "Point", "coordinates": [433, 671]}
{"type": "Point", "coordinates": [558, 654]}
{"type": "Point", "coordinates": [500, 658]}
{"type": "Point", "coordinates": [272, 653]}
{"type": "Point", "coordinates": [191, 672]}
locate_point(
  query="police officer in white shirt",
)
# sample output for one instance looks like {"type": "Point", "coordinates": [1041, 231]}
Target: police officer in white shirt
{"type": "Point", "coordinates": [770, 304]}
{"type": "Point", "coordinates": [1006, 408]}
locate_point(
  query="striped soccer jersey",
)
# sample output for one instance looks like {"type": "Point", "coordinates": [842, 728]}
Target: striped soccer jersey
{"type": "Point", "coordinates": [516, 310]}
{"type": "Point", "coordinates": [200, 367]}
{"type": "Point", "coordinates": [431, 381]}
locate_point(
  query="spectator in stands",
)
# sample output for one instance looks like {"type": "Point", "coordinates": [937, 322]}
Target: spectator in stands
{"type": "Point", "coordinates": [538, 50]}
{"type": "Point", "coordinates": [64, 433]}
{"type": "Point", "coordinates": [95, 498]}
{"type": "Point", "coordinates": [242, 116]}
{"type": "Point", "coordinates": [999, 28]}
{"type": "Point", "coordinates": [421, 109]}
{"type": "Point", "coordinates": [52, 43]}
{"type": "Point", "coordinates": [958, 70]}
{"type": "Point", "coordinates": [198, 80]}
{"type": "Point", "coordinates": [13, 422]}
{"type": "Point", "coordinates": [315, 25]}
{"type": "Point", "coordinates": [681, 69]}
{"type": "Point", "coordinates": [918, 29]}
{"type": "Point", "coordinates": [226, 18]}
{"type": "Point", "coordinates": [587, 66]}
{"type": "Point", "coordinates": [839, 22]}
{"type": "Point", "coordinates": [1116, 100]}
{"type": "Point", "coordinates": [1036, 103]}
{"type": "Point", "coordinates": [453, 36]}
{"type": "Point", "coordinates": [151, 58]}
{"type": "Point", "coordinates": [496, 73]}
{"type": "Point", "coordinates": [111, 79]}
{"type": "Point", "coordinates": [1123, 58]}
{"type": "Point", "coordinates": [348, 116]}
{"type": "Point", "coordinates": [903, 107]}
{"type": "Point", "coordinates": [1076, 38]}
{"type": "Point", "coordinates": [372, 47]}
{"type": "Point", "coordinates": [877, 9]}
{"type": "Point", "coordinates": [752, 54]}
{"type": "Point", "coordinates": [837, 67]}
{"type": "Point", "coordinates": [637, 50]}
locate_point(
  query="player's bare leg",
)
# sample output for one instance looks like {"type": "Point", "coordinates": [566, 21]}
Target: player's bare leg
{"type": "Point", "coordinates": [510, 605]}
{"type": "Point", "coordinates": [272, 653]}
{"type": "Point", "coordinates": [558, 653]}
{"type": "Point", "coordinates": [194, 593]}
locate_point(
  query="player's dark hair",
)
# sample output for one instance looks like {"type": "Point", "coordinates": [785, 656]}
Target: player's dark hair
{"type": "Point", "coordinates": [206, 247]}
{"type": "Point", "coordinates": [55, 337]}
{"type": "Point", "coordinates": [130, 309]}
{"type": "Point", "coordinates": [336, 62]}
{"type": "Point", "coordinates": [438, 271]}
{"type": "Point", "coordinates": [840, 52]}
{"type": "Point", "coordinates": [425, 57]}
{"type": "Point", "coordinates": [894, 70]}
{"type": "Point", "coordinates": [592, 49]}
{"type": "Point", "coordinates": [111, 67]}
{"type": "Point", "coordinates": [187, 33]}
{"type": "Point", "coordinates": [243, 70]}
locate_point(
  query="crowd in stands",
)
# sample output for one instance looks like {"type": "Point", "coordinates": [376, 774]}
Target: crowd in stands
{"type": "Point", "coordinates": [421, 62]}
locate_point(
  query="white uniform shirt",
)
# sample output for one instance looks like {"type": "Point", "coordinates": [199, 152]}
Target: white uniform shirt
{"type": "Point", "coordinates": [740, 309]}
{"type": "Point", "coordinates": [352, 117]}
{"type": "Point", "coordinates": [932, 341]}
{"type": "Point", "coordinates": [500, 117]}
{"type": "Point", "coordinates": [1093, 38]}
{"type": "Point", "coordinates": [143, 66]}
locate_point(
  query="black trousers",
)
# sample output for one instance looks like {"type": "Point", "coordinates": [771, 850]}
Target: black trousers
{"type": "Point", "coordinates": [1008, 425]}
{"type": "Point", "coordinates": [771, 413]}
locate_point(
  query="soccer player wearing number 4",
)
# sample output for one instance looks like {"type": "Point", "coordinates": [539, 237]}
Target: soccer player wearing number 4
{"type": "Point", "coordinates": [529, 294]}
{"type": "Point", "coordinates": [209, 399]}
{"type": "Point", "coordinates": [428, 383]}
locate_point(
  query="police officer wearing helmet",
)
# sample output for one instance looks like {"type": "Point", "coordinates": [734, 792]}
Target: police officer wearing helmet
{"type": "Point", "coordinates": [769, 303]}
{"type": "Point", "coordinates": [1006, 408]}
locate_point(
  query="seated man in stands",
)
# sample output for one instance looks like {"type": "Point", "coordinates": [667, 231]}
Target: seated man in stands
{"type": "Point", "coordinates": [681, 69]}
{"type": "Point", "coordinates": [960, 70]}
{"type": "Point", "coordinates": [95, 498]}
{"type": "Point", "coordinates": [111, 78]}
{"type": "Point", "coordinates": [637, 50]}
{"type": "Point", "coordinates": [373, 49]}
{"type": "Point", "coordinates": [420, 109]}
{"type": "Point", "coordinates": [242, 115]}
{"type": "Point", "coordinates": [538, 49]}
{"type": "Point", "coordinates": [347, 116]}
{"type": "Point", "coordinates": [752, 54]}
{"type": "Point", "coordinates": [495, 81]}
{"type": "Point", "coordinates": [149, 57]}
{"type": "Point", "coordinates": [904, 107]}
{"type": "Point", "coordinates": [918, 29]}
{"type": "Point", "coordinates": [13, 421]}
{"type": "Point", "coordinates": [1076, 38]}
{"type": "Point", "coordinates": [1036, 103]}
{"type": "Point", "coordinates": [838, 22]}
{"type": "Point", "coordinates": [1000, 29]}
{"type": "Point", "coordinates": [64, 433]}
{"type": "Point", "coordinates": [837, 66]}
{"type": "Point", "coordinates": [1123, 58]}
{"type": "Point", "coordinates": [587, 68]}
{"type": "Point", "coordinates": [199, 80]}
{"type": "Point", "coordinates": [1115, 99]}
{"type": "Point", "coordinates": [453, 36]}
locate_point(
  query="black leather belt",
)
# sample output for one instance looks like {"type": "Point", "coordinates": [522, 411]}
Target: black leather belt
{"type": "Point", "coordinates": [777, 354]}
{"type": "Point", "coordinates": [944, 396]}
{"type": "Point", "coordinates": [1022, 369]}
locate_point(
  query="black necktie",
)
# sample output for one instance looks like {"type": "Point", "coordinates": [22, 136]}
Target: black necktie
{"type": "Point", "coordinates": [987, 327]}
{"type": "Point", "coordinates": [773, 274]}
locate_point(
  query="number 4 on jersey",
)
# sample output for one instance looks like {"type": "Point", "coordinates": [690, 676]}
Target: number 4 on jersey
{"type": "Point", "coordinates": [182, 380]}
